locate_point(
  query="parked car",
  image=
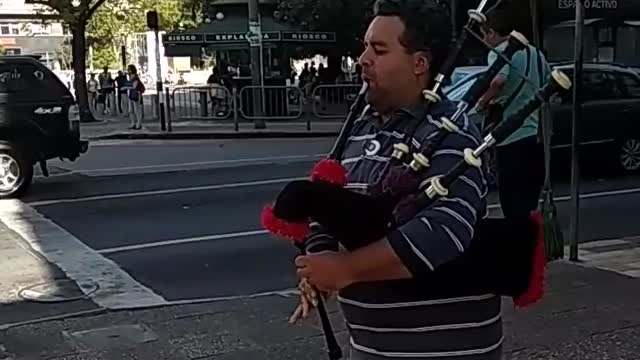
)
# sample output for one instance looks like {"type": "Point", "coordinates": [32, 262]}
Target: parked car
{"type": "Point", "coordinates": [610, 126]}
{"type": "Point", "coordinates": [36, 125]}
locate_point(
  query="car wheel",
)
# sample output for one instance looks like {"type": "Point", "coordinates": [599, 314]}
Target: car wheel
{"type": "Point", "coordinates": [16, 171]}
{"type": "Point", "coordinates": [629, 155]}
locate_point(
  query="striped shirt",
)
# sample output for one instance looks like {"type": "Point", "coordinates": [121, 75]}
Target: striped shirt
{"type": "Point", "coordinates": [391, 319]}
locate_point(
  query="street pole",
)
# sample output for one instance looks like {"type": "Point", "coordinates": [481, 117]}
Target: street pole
{"type": "Point", "coordinates": [575, 131]}
{"type": "Point", "coordinates": [123, 54]}
{"type": "Point", "coordinates": [159, 97]}
{"type": "Point", "coordinates": [256, 69]}
{"type": "Point", "coordinates": [152, 23]}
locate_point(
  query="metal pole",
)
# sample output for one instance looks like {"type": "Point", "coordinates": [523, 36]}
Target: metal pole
{"type": "Point", "coordinates": [535, 22]}
{"type": "Point", "coordinates": [159, 97]}
{"type": "Point", "coordinates": [123, 54]}
{"type": "Point", "coordinates": [575, 131]}
{"type": "Point", "coordinates": [254, 28]}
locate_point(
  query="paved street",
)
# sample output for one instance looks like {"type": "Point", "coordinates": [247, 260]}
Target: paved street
{"type": "Point", "coordinates": [160, 223]}
{"type": "Point", "coordinates": [183, 218]}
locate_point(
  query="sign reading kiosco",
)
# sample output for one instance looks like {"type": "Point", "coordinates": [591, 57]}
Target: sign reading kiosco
{"type": "Point", "coordinates": [308, 36]}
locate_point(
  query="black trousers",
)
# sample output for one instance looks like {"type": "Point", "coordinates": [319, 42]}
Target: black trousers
{"type": "Point", "coordinates": [520, 167]}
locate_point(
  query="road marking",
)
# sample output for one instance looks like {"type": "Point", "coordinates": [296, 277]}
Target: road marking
{"type": "Point", "coordinates": [116, 289]}
{"type": "Point", "coordinates": [270, 182]}
{"type": "Point", "coordinates": [180, 241]}
{"type": "Point", "coordinates": [168, 167]}
{"type": "Point", "coordinates": [164, 192]}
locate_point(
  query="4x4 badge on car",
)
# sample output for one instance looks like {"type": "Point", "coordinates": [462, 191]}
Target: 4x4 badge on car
{"type": "Point", "coordinates": [43, 111]}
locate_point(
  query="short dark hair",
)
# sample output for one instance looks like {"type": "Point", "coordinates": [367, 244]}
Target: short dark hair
{"type": "Point", "coordinates": [427, 24]}
{"type": "Point", "coordinates": [500, 20]}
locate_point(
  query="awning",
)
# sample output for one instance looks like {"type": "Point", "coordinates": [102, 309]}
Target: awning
{"type": "Point", "coordinates": [232, 32]}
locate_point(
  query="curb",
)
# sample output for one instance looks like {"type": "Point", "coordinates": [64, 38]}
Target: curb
{"type": "Point", "coordinates": [215, 135]}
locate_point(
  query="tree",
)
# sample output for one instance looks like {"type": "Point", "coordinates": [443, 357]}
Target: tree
{"type": "Point", "coordinates": [116, 19]}
{"type": "Point", "coordinates": [347, 18]}
{"type": "Point", "coordinates": [76, 14]}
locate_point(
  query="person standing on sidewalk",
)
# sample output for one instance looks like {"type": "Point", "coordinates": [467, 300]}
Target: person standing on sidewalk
{"type": "Point", "coordinates": [136, 90]}
{"type": "Point", "coordinates": [121, 83]}
{"type": "Point", "coordinates": [520, 157]}
{"type": "Point", "coordinates": [388, 315]}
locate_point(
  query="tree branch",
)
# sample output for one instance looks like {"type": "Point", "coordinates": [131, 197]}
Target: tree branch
{"type": "Point", "coordinates": [95, 7]}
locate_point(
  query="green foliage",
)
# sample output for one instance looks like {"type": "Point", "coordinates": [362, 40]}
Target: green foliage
{"type": "Point", "coordinates": [348, 18]}
{"type": "Point", "coordinates": [115, 19]}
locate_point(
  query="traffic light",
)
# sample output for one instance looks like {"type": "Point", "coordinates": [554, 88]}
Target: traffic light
{"type": "Point", "coordinates": [152, 20]}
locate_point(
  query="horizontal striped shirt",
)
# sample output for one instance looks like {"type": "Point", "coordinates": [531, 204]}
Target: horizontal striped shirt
{"type": "Point", "coordinates": [392, 319]}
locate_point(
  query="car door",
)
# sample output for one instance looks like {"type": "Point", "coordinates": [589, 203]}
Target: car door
{"type": "Point", "coordinates": [600, 94]}
{"type": "Point", "coordinates": [628, 110]}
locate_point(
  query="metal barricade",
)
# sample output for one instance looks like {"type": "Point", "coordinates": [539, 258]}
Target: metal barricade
{"type": "Point", "coordinates": [206, 102]}
{"type": "Point", "coordinates": [333, 101]}
{"type": "Point", "coordinates": [271, 102]}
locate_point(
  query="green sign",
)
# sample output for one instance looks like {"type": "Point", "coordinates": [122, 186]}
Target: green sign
{"type": "Point", "coordinates": [223, 38]}
{"type": "Point", "coordinates": [308, 36]}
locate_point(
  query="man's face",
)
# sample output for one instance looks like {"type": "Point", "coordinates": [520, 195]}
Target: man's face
{"type": "Point", "coordinates": [387, 66]}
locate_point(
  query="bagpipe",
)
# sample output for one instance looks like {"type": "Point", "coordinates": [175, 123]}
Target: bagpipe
{"type": "Point", "coordinates": [505, 256]}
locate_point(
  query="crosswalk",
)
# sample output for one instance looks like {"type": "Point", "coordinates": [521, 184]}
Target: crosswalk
{"type": "Point", "coordinates": [618, 255]}
{"type": "Point", "coordinates": [83, 265]}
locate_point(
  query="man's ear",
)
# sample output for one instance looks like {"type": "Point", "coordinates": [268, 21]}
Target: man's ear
{"type": "Point", "coordinates": [422, 63]}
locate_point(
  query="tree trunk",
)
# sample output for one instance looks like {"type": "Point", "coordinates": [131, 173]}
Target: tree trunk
{"type": "Point", "coordinates": [79, 50]}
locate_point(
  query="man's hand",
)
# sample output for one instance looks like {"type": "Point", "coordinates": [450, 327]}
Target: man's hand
{"type": "Point", "coordinates": [328, 271]}
{"type": "Point", "coordinates": [308, 300]}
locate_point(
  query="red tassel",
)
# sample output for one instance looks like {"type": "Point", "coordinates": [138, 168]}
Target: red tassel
{"type": "Point", "coordinates": [295, 232]}
{"type": "Point", "coordinates": [535, 290]}
{"type": "Point", "coordinates": [330, 171]}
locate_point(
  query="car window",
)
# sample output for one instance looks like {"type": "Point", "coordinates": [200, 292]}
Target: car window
{"type": "Point", "coordinates": [599, 85]}
{"type": "Point", "coordinates": [459, 88]}
{"type": "Point", "coordinates": [30, 83]}
{"type": "Point", "coordinates": [630, 84]}
{"type": "Point", "coordinates": [596, 85]}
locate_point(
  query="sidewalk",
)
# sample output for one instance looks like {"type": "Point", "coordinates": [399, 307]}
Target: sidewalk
{"type": "Point", "coordinates": [25, 273]}
{"type": "Point", "coordinates": [118, 128]}
{"type": "Point", "coordinates": [587, 314]}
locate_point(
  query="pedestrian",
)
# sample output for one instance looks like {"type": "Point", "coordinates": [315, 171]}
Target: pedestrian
{"type": "Point", "coordinates": [136, 91]}
{"type": "Point", "coordinates": [92, 89]}
{"type": "Point", "coordinates": [387, 315]}
{"type": "Point", "coordinates": [106, 90]}
{"type": "Point", "coordinates": [520, 157]}
{"type": "Point", "coordinates": [121, 83]}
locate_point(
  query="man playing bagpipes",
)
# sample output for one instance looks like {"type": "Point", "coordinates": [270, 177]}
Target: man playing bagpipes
{"type": "Point", "coordinates": [405, 45]}
{"type": "Point", "coordinates": [395, 219]}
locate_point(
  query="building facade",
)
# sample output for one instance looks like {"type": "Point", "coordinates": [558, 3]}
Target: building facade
{"type": "Point", "coordinates": [24, 32]}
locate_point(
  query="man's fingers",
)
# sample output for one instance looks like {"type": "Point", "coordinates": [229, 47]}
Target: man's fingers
{"type": "Point", "coordinates": [296, 315]}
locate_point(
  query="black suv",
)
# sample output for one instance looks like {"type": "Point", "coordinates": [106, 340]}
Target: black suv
{"type": "Point", "coordinates": [610, 126]}
{"type": "Point", "coordinates": [35, 122]}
